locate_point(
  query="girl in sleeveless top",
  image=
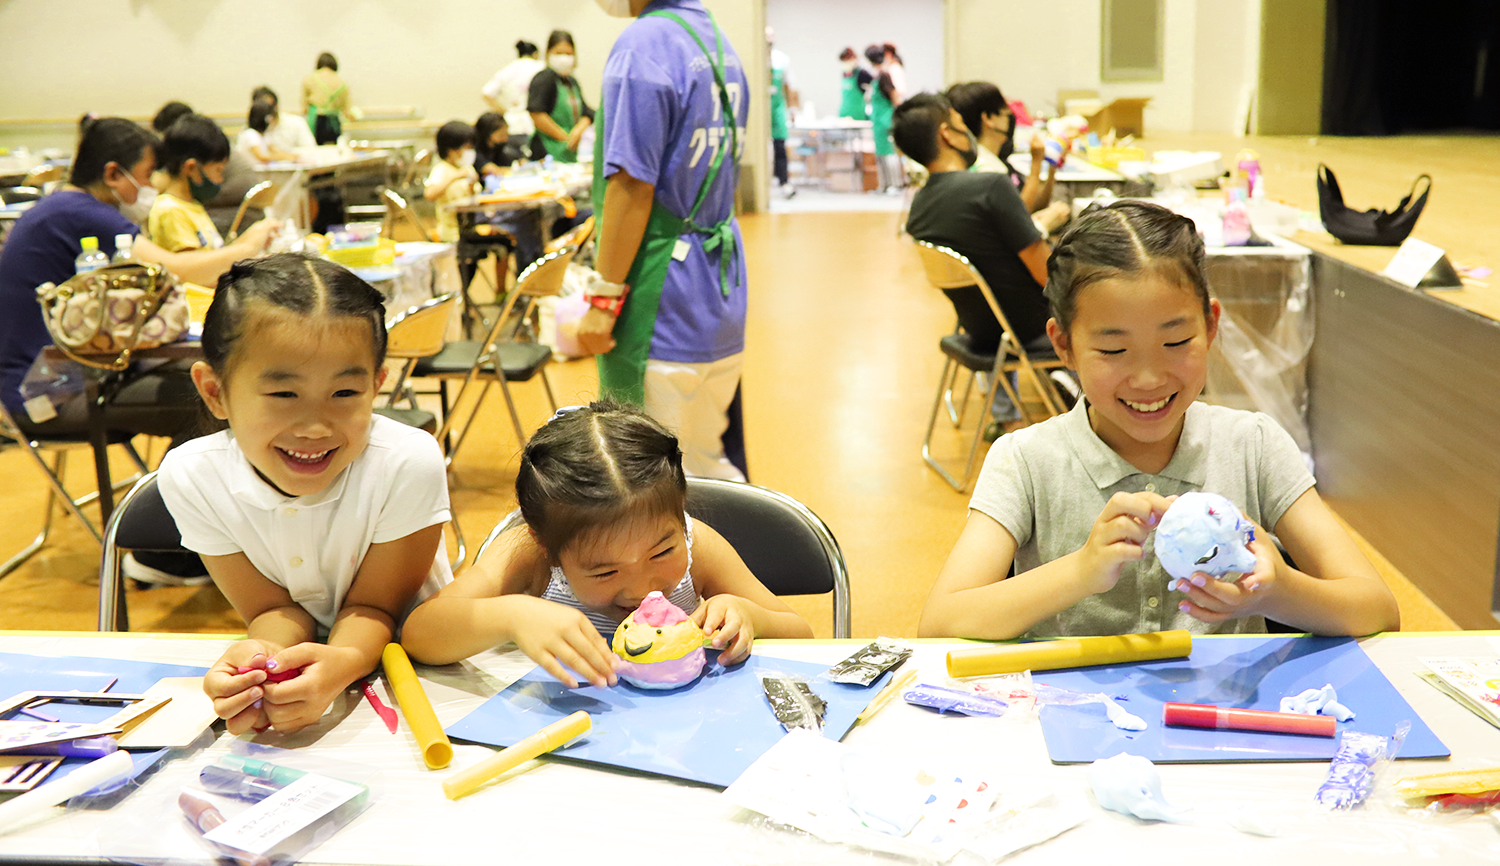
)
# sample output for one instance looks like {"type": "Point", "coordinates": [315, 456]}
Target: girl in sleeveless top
{"type": "Point", "coordinates": [602, 493]}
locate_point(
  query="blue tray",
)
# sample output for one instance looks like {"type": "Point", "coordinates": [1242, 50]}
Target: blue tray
{"type": "Point", "coordinates": [709, 732]}
{"type": "Point", "coordinates": [1247, 672]}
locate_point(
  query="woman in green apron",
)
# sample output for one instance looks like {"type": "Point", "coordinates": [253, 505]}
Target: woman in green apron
{"type": "Point", "coordinates": [325, 99]}
{"type": "Point", "coordinates": [852, 90]}
{"type": "Point", "coordinates": [881, 106]}
{"type": "Point", "coordinates": [556, 104]}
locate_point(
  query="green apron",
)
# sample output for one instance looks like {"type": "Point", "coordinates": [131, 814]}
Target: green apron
{"type": "Point", "coordinates": [622, 370]}
{"type": "Point", "coordinates": [852, 99]}
{"type": "Point", "coordinates": [778, 104]}
{"type": "Point", "coordinates": [880, 117]}
{"type": "Point", "coordinates": [565, 111]}
{"type": "Point", "coordinates": [332, 122]}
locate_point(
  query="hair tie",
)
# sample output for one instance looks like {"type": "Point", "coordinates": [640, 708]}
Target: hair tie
{"type": "Point", "coordinates": [563, 411]}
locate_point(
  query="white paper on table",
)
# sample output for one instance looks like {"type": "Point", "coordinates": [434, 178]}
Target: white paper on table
{"type": "Point", "coordinates": [1412, 262]}
{"type": "Point", "coordinates": [800, 782]}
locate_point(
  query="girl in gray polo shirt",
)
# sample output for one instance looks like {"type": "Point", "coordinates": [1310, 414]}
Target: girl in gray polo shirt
{"type": "Point", "coordinates": [1072, 503]}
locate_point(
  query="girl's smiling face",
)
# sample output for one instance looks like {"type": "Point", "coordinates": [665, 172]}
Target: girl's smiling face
{"type": "Point", "coordinates": [612, 569]}
{"type": "Point", "coordinates": [298, 396]}
{"type": "Point", "coordinates": [1140, 346]}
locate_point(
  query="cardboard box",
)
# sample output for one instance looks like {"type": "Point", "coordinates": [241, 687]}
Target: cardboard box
{"type": "Point", "coordinates": [1122, 115]}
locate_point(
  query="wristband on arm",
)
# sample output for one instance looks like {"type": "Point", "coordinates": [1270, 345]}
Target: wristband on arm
{"type": "Point", "coordinates": [606, 296]}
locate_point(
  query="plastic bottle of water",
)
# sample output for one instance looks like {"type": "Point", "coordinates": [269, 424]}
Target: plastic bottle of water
{"type": "Point", "coordinates": [124, 255]}
{"type": "Point", "coordinates": [92, 258]}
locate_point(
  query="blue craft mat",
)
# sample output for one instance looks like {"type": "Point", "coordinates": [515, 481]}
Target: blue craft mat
{"type": "Point", "coordinates": [709, 732]}
{"type": "Point", "coordinates": [1247, 672]}
{"type": "Point", "coordinates": [29, 673]}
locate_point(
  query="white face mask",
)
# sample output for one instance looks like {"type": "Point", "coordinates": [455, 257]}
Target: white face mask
{"type": "Point", "coordinates": [616, 8]}
{"type": "Point", "coordinates": [140, 209]}
{"type": "Point", "coordinates": [562, 64]}
{"type": "Point", "coordinates": [850, 66]}
{"type": "Point", "coordinates": [466, 159]}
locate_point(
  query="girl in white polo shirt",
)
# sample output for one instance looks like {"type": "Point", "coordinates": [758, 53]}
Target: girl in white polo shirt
{"type": "Point", "coordinates": [1073, 502]}
{"type": "Point", "coordinates": [314, 516]}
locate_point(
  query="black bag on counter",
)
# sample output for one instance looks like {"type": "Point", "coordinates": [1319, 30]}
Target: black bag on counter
{"type": "Point", "coordinates": [1372, 227]}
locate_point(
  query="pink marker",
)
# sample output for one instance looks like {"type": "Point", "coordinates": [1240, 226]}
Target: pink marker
{"type": "Point", "coordinates": [276, 677]}
{"type": "Point", "coordinates": [1229, 718]}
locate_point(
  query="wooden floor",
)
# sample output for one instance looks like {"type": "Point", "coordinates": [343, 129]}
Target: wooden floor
{"type": "Point", "coordinates": [841, 366]}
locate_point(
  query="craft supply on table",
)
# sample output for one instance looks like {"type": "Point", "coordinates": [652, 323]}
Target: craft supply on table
{"type": "Point", "coordinates": [1118, 716]}
{"type": "Point", "coordinates": [1470, 681]}
{"type": "Point", "coordinates": [1313, 702]}
{"type": "Point", "coordinates": [954, 701]}
{"type": "Point", "coordinates": [886, 695]}
{"type": "Point", "coordinates": [272, 676]}
{"type": "Point", "coordinates": [875, 801]}
{"type": "Point", "coordinates": [1130, 785]}
{"type": "Point", "coordinates": [84, 747]}
{"type": "Point", "coordinates": [708, 732]}
{"type": "Point", "coordinates": [235, 783]}
{"type": "Point", "coordinates": [1205, 532]}
{"type": "Point", "coordinates": [19, 773]}
{"type": "Point", "coordinates": [1232, 719]}
{"type": "Point", "coordinates": [1474, 782]}
{"type": "Point", "coordinates": [1246, 671]}
{"type": "Point", "coordinates": [1352, 772]}
{"type": "Point", "coordinates": [204, 818]}
{"type": "Point", "coordinates": [32, 803]}
{"type": "Point", "coordinates": [437, 752]}
{"type": "Point", "coordinates": [867, 664]}
{"type": "Point", "coordinates": [659, 646]}
{"type": "Point", "coordinates": [385, 713]}
{"type": "Point", "coordinates": [794, 702]}
{"type": "Point", "coordinates": [1044, 655]}
{"type": "Point", "coordinates": [553, 736]}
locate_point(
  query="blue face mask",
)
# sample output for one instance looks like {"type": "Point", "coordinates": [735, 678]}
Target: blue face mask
{"type": "Point", "coordinates": [204, 191]}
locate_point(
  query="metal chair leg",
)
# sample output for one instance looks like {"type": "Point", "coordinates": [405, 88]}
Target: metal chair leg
{"type": "Point", "coordinates": [41, 538]}
{"type": "Point", "coordinates": [468, 422]}
{"type": "Point", "coordinates": [937, 405]}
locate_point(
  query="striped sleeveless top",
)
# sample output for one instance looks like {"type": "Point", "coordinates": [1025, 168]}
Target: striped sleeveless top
{"type": "Point", "coordinates": [684, 595]}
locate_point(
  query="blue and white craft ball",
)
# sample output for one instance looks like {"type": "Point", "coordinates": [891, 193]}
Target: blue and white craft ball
{"type": "Point", "coordinates": [1204, 532]}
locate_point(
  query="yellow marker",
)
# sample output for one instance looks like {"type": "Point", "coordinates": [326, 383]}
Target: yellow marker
{"type": "Point", "coordinates": [1074, 652]}
{"type": "Point", "coordinates": [437, 752]}
{"type": "Point", "coordinates": [465, 782]}
{"type": "Point", "coordinates": [886, 695]}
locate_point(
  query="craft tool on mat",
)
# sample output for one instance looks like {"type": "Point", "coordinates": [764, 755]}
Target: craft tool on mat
{"type": "Point", "coordinates": [1075, 652]}
{"type": "Point", "coordinates": [886, 695]}
{"type": "Point", "coordinates": [437, 752]}
{"type": "Point", "coordinates": [1246, 671]}
{"type": "Point", "coordinates": [553, 736]}
{"type": "Point", "coordinates": [1229, 718]}
{"type": "Point", "coordinates": [205, 818]}
{"type": "Point", "coordinates": [385, 713]}
{"type": "Point", "coordinates": [32, 803]}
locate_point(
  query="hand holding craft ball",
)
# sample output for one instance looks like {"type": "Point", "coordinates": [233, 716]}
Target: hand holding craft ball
{"type": "Point", "coordinates": [659, 647]}
{"type": "Point", "coordinates": [1204, 532]}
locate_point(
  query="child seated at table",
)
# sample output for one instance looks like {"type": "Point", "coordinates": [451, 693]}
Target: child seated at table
{"type": "Point", "coordinates": [314, 516]}
{"type": "Point", "coordinates": [1072, 502]}
{"type": "Point", "coordinates": [453, 176]}
{"type": "Point", "coordinates": [258, 137]}
{"type": "Point", "coordinates": [493, 151]}
{"type": "Point", "coordinates": [602, 493]}
{"type": "Point", "coordinates": [194, 153]}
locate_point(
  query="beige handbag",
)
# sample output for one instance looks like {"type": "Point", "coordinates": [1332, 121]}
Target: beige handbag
{"type": "Point", "coordinates": [100, 318]}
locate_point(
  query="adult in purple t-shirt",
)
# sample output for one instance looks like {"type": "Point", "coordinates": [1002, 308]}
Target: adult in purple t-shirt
{"type": "Point", "coordinates": [668, 311]}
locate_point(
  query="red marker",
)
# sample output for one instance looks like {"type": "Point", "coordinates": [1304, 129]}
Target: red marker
{"type": "Point", "coordinates": [1210, 716]}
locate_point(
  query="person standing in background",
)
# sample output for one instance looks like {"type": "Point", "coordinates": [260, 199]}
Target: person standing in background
{"type": "Point", "coordinates": [325, 100]}
{"type": "Point", "coordinates": [556, 104]}
{"type": "Point", "coordinates": [852, 90]}
{"type": "Point", "coordinates": [668, 308]}
{"type": "Point", "coordinates": [782, 97]}
{"type": "Point", "coordinates": [506, 93]}
{"type": "Point", "coordinates": [897, 71]}
{"type": "Point", "coordinates": [883, 100]}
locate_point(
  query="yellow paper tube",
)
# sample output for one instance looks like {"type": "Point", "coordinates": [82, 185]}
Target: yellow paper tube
{"type": "Point", "coordinates": [465, 782]}
{"type": "Point", "coordinates": [437, 752]}
{"type": "Point", "coordinates": [1075, 652]}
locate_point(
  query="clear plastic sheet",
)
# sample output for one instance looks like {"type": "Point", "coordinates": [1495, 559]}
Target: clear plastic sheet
{"type": "Point", "coordinates": [171, 836]}
{"type": "Point", "coordinates": [1259, 361]}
